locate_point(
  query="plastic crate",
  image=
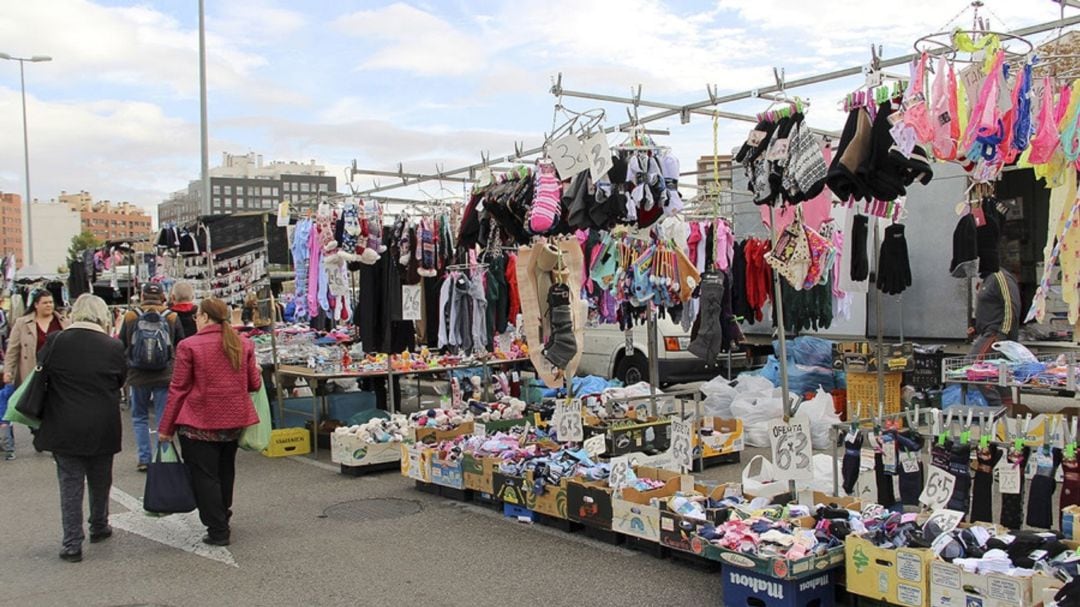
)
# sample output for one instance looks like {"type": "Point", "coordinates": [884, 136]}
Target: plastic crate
{"type": "Point", "coordinates": [927, 371]}
{"type": "Point", "coordinates": [862, 389]}
{"type": "Point", "coordinates": [518, 512]}
{"type": "Point", "coordinates": [288, 441]}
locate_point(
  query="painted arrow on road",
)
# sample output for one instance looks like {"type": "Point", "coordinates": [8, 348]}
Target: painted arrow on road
{"type": "Point", "coordinates": [180, 531]}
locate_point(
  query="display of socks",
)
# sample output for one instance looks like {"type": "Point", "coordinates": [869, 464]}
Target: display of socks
{"type": "Point", "coordinates": [885, 494]}
{"type": "Point", "coordinates": [910, 467]}
{"type": "Point", "coordinates": [850, 466]}
{"type": "Point", "coordinates": [546, 210]}
{"type": "Point", "coordinates": [960, 467]}
{"type": "Point", "coordinates": [1012, 504]}
{"type": "Point", "coordinates": [982, 504]}
{"type": "Point", "coordinates": [1040, 511]}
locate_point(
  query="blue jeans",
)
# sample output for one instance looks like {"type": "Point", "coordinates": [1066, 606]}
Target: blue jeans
{"type": "Point", "coordinates": [143, 399]}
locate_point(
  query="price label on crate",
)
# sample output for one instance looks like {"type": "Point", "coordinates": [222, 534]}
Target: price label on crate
{"type": "Point", "coordinates": [682, 448]}
{"type": "Point", "coordinates": [599, 155]}
{"type": "Point", "coordinates": [939, 488]}
{"type": "Point", "coordinates": [620, 472]}
{"type": "Point", "coordinates": [568, 155]}
{"type": "Point", "coordinates": [596, 446]}
{"type": "Point", "coordinates": [792, 452]}
{"type": "Point", "coordinates": [567, 420]}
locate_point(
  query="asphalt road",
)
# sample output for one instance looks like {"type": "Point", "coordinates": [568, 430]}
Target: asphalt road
{"type": "Point", "coordinates": [292, 547]}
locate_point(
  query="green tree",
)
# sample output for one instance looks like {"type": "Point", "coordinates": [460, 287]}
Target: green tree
{"type": "Point", "coordinates": [81, 242]}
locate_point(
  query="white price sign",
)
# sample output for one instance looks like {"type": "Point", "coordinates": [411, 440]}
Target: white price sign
{"type": "Point", "coordinates": [599, 155]}
{"type": "Point", "coordinates": [792, 452]}
{"type": "Point", "coordinates": [479, 429]}
{"type": "Point", "coordinates": [1008, 477]}
{"type": "Point", "coordinates": [568, 155]}
{"type": "Point", "coordinates": [620, 473]}
{"type": "Point", "coordinates": [596, 446]}
{"type": "Point", "coordinates": [939, 488]}
{"type": "Point", "coordinates": [945, 520]}
{"type": "Point", "coordinates": [568, 422]}
{"type": "Point", "coordinates": [412, 301]}
{"type": "Point", "coordinates": [682, 448]}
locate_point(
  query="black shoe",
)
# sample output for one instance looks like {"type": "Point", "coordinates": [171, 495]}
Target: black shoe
{"type": "Point", "coordinates": [71, 556]}
{"type": "Point", "coordinates": [141, 467]}
{"type": "Point", "coordinates": [101, 536]}
{"type": "Point", "coordinates": [215, 541]}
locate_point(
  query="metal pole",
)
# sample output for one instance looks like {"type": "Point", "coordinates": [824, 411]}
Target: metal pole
{"type": "Point", "coordinates": [880, 315]}
{"type": "Point", "coordinates": [204, 137]}
{"type": "Point", "coordinates": [654, 356]}
{"type": "Point", "coordinates": [26, 161]}
{"type": "Point", "coordinates": [778, 307]}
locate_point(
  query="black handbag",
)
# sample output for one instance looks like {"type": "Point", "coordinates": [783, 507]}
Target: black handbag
{"type": "Point", "coordinates": [31, 400]}
{"type": "Point", "coordinates": [168, 485]}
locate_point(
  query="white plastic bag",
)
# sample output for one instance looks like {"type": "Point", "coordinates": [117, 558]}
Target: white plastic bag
{"type": "Point", "coordinates": [822, 415]}
{"type": "Point", "coordinates": [718, 397]}
{"type": "Point", "coordinates": [757, 410]}
{"type": "Point", "coordinates": [749, 382]}
{"type": "Point", "coordinates": [761, 483]}
{"type": "Point", "coordinates": [823, 474]}
{"type": "Point", "coordinates": [1015, 352]}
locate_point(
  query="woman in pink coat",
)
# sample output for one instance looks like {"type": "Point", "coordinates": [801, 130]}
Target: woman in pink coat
{"type": "Point", "coordinates": [208, 407]}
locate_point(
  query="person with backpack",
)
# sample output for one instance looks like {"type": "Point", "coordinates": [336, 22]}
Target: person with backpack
{"type": "Point", "coordinates": [149, 334]}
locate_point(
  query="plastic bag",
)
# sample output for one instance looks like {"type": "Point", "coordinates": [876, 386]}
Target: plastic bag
{"type": "Point", "coordinates": [752, 382]}
{"type": "Point", "coordinates": [808, 350]}
{"type": "Point", "coordinates": [256, 437]}
{"type": "Point", "coordinates": [761, 483]}
{"type": "Point", "coordinates": [822, 415]}
{"type": "Point", "coordinates": [757, 410]}
{"type": "Point", "coordinates": [953, 396]}
{"type": "Point", "coordinates": [719, 393]}
{"type": "Point", "coordinates": [1015, 352]}
{"type": "Point", "coordinates": [823, 474]}
{"type": "Point", "coordinates": [802, 379]}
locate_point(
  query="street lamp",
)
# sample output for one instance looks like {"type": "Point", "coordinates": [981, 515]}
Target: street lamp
{"type": "Point", "coordinates": [26, 145]}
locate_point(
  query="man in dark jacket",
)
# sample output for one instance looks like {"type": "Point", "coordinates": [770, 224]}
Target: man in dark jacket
{"type": "Point", "coordinates": [182, 302]}
{"type": "Point", "coordinates": [997, 318]}
{"type": "Point", "coordinates": [149, 334]}
{"type": "Point", "coordinates": [80, 423]}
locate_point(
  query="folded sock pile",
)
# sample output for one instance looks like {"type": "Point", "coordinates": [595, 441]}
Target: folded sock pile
{"type": "Point", "coordinates": [391, 430]}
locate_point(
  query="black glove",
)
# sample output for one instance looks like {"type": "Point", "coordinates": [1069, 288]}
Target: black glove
{"type": "Point", "coordinates": [860, 265]}
{"type": "Point", "coordinates": [894, 269]}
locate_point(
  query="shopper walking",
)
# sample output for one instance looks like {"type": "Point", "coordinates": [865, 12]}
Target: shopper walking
{"type": "Point", "coordinates": [208, 408]}
{"type": "Point", "coordinates": [80, 423]}
{"type": "Point", "coordinates": [149, 334]}
{"type": "Point", "coordinates": [182, 302]}
{"type": "Point", "coordinates": [997, 318]}
{"type": "Point", "coordinates": [27, 338]}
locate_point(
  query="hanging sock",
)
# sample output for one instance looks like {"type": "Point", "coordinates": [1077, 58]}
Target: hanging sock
{"type": "Point", "coordinates": [561, 345]}
{"type": "Point", "coordinates": [1040, 512]}
{"type": "Point", "coordinates": [982, 509]}
{"type": "Point", "coordinates": [909, 467]}
{"type": "Point", "coordinates": [1012, 504]}
{"type": "Point", "coordinates": [885, 494]}
{"type": "Point", "coordinates": [1070, 485]}
{"type": "Point", "coordinates": [849, 468]}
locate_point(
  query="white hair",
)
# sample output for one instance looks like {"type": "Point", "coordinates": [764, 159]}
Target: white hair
{"type": "Point", "coordinates": [91, 308]}
{"type": "Point", "coordinates": [183, 292]}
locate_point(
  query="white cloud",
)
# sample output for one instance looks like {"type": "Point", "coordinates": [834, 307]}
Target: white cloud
{"type": "Point", "coordinates": [132, 46]}
{"type": "Point", "coordinates": [416, 41]}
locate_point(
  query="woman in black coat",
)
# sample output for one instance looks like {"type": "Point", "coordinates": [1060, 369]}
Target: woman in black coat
{"type": "Point", "coordinates": [80, 423]}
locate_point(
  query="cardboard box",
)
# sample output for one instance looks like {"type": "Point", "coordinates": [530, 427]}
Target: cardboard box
{"type": "Point", "coordinates": [1043, 588]}
{"type": "Point", "coordinates": [288, 441]}
{"type": "Point", "coordinates": [416, 462]}
{"type": "Point", "coordinates": [589, 503]}
{"type": "Point", "coordinates": [478, 472]}
{"type": "Point", "coordinates": [447, 473]}
{"type": "Point", "coordinates": [429, 435]}
{"type": "Point", "coordinates": [651, 434]}
{"type": "Point", "coordinates": [727, 437]}
{"type": "Point", "coordinates": [632, 512]}
{"type": "Point", "coordinates": [509, 489]}
{"type": "Point", "coordinates": [898, 577]}
{"type": "Point", "coordinates": [1070, 523]}
{"type": "Point", "coordinates": [745, 587]}
{"type": "Point", "coordinates": [680, 532]}
{"type": "Point", "coordinates": [350, 450]}
{"type": "Point", "coordinates": [551, 503]}
{"type": "Point", "coordinates": [950, 585]}
{"type": "Point", "coordinates": [778, 568]}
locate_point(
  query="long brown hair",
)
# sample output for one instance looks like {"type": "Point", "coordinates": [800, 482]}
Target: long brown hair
{"type": "Point", "coordinates": [218, 312]}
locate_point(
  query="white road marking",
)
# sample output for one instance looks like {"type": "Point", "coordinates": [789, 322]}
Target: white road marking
{"type": "Point", "coordinates": [180, 531]}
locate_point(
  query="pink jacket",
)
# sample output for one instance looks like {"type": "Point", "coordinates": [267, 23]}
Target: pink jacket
{"type": "Point", "coordinates": [206, 392]}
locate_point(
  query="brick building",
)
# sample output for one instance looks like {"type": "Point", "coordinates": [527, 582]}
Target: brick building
{"type": "Point", "coordinates": [11, 217]}
{"type": "Point", "coordinates": [107, 220]}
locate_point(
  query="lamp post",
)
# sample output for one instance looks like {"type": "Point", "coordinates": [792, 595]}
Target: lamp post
{"type": "Point", "coordinates": [26, 145]}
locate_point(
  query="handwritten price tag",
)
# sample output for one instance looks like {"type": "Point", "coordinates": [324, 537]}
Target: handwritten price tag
{"type": "Point", "coordinates": [596, 446]}
{"type": "Point", "coordinates": [568, 155]}
{"type": "Point", "coordinates": [1008, 477]}
{"type": "Point", "coordinates": [792, 451]}
{"type": "Point", "coordinates": [479, 429]}
{"type": "Point", "coordinates": [938, 490]}
{"type": "Point", "coordinates": [568, 422]}
{"type": "Point", "coordinates": [620, 473]}
{"type": "Point", "coordinates": [681, 446]}
{"type": "Point", "coordinates": [599, 155]}
{"type": "Point", "coordinates": [411, 302]}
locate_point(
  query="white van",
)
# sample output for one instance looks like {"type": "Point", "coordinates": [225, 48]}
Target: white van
{"type": "Point", "coordinates": [605, 355]}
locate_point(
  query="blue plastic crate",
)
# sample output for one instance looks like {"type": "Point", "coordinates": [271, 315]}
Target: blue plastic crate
{"type": "Point", "coordinates": [517, 512]}
{"type": "Point", "coordinates": [746, 588]}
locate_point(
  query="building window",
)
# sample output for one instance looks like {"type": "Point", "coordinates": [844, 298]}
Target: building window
{"type": "Point", "coordinates": [228, 190]}
{"type": "Point", "coordinates": [217, 189]}
{"type": "Point", "coordinates": [239, 189]}
{"type": "Point", "coordinates": [305, 187]}
{"type": "Point", "coordinates": [267, 204]}
{"type": "Point", "coordinates": [324, 187]}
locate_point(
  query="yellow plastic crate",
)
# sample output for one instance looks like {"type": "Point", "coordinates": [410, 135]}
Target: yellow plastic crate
{"type": "Point", "coordinates": [288, 441]}
{"type": "Point", "coordinates": [862, 389]}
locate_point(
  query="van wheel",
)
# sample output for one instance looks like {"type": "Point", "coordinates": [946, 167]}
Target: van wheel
{"type": "Point", "coordinates": [632, 369]}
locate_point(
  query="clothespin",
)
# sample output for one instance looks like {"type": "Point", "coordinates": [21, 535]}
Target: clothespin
{"type": "Point", "coordinates": [986, 427]}
{"type": "Point", "coordinates": [965, 436]}
{"type": "Point", "coordinates": [1070, 440]}
{"type": "Point", "coordinates": [946, 429]}
{"type": "Point", "coordinates": [1021, 433]}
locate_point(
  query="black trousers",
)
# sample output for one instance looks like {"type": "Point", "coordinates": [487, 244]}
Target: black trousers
{"type": "Point", "coordinates": [213, 472]}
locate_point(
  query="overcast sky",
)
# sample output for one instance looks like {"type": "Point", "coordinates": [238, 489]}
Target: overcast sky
{"type": "Point", "coordinates": [421, 83]}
